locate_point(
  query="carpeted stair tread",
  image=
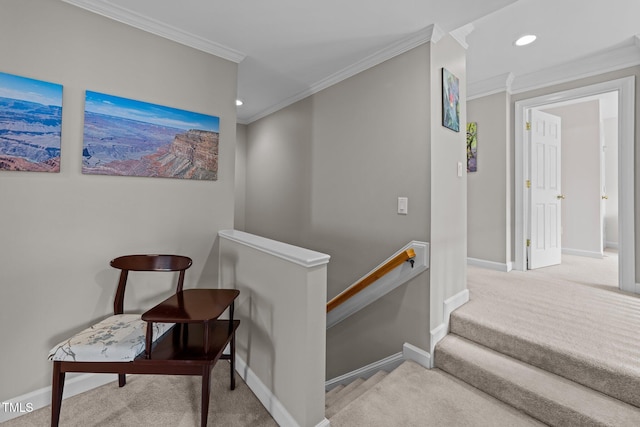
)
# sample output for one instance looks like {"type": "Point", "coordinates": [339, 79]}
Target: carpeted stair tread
{"type": "Point", "coordinates": [414, 396]}
{"type": "Point", "coordinates": [547, 397]}
{"type": "Point", "coordinates": [349, 397]}
{"type": "Point", "coordinates": [586, 334]}
{"type": "Point", "coordinates": [330, 394]}
{"type": "Point", "coordinates": [346, 390]}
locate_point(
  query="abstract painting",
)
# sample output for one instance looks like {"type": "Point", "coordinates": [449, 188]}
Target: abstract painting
{"type": "Point", "coordinates": [134, 138]}
{"type": "Point", "coordinates": [472, 147]}
{"type": "Point", "coordinates": [30, 124]}
{"type": "Point", "coordinates": [450, 101]}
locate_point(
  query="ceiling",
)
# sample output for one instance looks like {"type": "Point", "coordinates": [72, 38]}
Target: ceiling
{"type": "Point", "coordinates": [289, 49]}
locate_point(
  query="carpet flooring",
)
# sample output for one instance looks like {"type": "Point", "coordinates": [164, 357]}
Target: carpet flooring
{"type": "Point", "coordinates": [158, 401]}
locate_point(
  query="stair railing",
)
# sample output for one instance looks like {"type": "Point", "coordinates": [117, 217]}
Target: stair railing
{"type": "Point", "coordinates": [381, 280]}
{"type": "Point", "coordinates": [376, 274]}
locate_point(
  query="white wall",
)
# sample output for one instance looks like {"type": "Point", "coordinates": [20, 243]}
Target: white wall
{"type": "Point", "coordinates": [59, 231]}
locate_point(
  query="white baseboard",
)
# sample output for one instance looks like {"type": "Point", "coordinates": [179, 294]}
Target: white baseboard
{"type": "Point", "coordinates": [441, 331]}
{"type": "Point", "coordinates": [387, 364]}
{"type": "Point", "coordinates": [580, 252]}
{"type": "Point", "coordinates": [418, 355]}
{"type": "Point", "coordinates": [266, 396]}
{"type": "Point", "coordinates": [491, 265]}
{"type": "Point", "coordinates": [74, 384]}
{"type": "Point", "coordinates": [611, 245]}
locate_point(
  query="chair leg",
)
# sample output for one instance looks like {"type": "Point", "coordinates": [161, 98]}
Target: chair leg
{"type": "Point", "coordinates": [122, 380]}
{"type": "Point", "coordinates": [57, 387]}
{"type": "Point", "coordinates": [206, 389]}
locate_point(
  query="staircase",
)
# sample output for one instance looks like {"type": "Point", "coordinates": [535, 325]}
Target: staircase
{"type": "Point", "coordinates": [563, 353]}
{"type": "Point", "coordinates": [519, 353]}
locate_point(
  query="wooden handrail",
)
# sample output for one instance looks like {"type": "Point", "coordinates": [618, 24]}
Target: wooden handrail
{"type": "Point", "coordinates": [375, 275]}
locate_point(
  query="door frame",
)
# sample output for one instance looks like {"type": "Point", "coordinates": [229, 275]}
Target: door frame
{"type": "Point", "coordinates": [626, 184]}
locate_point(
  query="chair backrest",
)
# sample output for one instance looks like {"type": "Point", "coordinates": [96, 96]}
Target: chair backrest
{"type": "Point", "coordinates": [164, 263]}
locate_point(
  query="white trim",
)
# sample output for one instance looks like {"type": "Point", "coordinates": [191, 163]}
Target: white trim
{"type": "Point", "coordinates": [580, 252]}
{"type": "Point", "coordinates": [324, 423]}
{"type": "Point", "coordinates": [265, 395]}
{"type": "Point", "coordinates": [460, 35]}
{"type": "Point", "coordinates": [491, 265]}
{"type": "Point", "coordinates": [441, 331]}
{"type": "Point", "coordinates": [611, 245]}
{"type": "Point", "coordinates": [436, 335]}
{"type": "Point", "coordinates": [301, 256]}
{"type": "Point", "coordinates": [418, 355]}
{"type": "Point", "coordinates": [453, 303]}
{"type": "Point", "coordinates": [490, 86]}
{"type": "Point", "coordinates": [41, 398]}
{"type": "Point", "coordinates": [433, 33]}
{"type": "Point", "coordinates": [610, 60]}
{"type": "Point", "coordinates": [129, 17]}
{"type": "Point", "coordinates": [626, 180]}
{"type": "Point", "coordinates": [387, 364]}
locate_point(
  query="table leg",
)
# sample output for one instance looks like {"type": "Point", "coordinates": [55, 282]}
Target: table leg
{"type": "Point", "coordinates": [206, 389]}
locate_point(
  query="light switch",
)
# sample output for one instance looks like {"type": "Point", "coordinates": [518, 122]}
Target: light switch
{"type": "Point", "coordinates": [459, 168]}
{"type": "Point", "coordinates": [403, 205]}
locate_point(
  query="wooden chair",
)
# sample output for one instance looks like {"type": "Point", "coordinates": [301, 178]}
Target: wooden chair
{"type": "Point", "coordinates": [180, 336]}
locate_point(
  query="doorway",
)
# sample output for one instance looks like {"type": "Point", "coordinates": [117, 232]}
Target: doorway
{"type": "Point", "coordinates": [625, 88]}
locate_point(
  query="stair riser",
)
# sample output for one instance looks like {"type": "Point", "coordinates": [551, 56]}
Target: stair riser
{"type": "Point", "coordinates": [600, 378]}
{"type": "Point", "coordinates": [545, 410]}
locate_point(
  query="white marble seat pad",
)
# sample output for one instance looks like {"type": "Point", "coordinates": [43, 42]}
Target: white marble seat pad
{"type": "Point", "coordinates": [119, 338]}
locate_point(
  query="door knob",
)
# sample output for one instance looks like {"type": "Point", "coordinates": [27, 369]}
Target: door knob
{"type": "Point", "coordinates": [605, 197]}
{"type": "Point", "coordinates": [560, 197]}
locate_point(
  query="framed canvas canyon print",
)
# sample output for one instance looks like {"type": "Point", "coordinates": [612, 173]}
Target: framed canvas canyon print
{"type": "Point", "coordinates": [450, 101]}
{"type": "Point", "coordinates": [133, 138]}
{"type": "Point", "coordinates": [30, 124]}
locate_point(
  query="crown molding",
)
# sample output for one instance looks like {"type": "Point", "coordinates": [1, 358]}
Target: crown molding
{"type": "Point", "coordinates": [603, 62]}
{"type": "Point", "coordinates": [500, 83]}
{"type": "Point", "coordinates": [460, 35]}
{"type": "Point", "coordinates": [433, 33]}
{"type": "Point", "coordinates": [158, 28]}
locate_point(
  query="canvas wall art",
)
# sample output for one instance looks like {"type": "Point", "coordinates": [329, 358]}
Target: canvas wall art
{"type": "Point", "coordinates": [450, 101]}
{"type": "Point", "coordinates": [472, 147]}
{"type": "Point", "coordinates": [30, 124]}
{"type": "Point", "coordinates": [134, 138]}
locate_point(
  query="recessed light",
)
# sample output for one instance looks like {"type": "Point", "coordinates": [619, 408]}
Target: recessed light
{"type": "Point", "coordinates": [239, 102]}
{"type": "Point", "coordinates": [525, 40]}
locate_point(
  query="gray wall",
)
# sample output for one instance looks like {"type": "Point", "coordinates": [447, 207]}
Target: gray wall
{"type": "Point", "coordinates": [241, 177]}
{"type": "Point", "coordinates": [325, 173]}
{"type": "Point", "coordinates": [59, 231]}
{"type": "Point", "coordinates": [488, 188]}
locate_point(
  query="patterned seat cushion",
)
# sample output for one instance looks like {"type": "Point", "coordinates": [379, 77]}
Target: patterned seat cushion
{"type": "Point", "coordinates": [118, 338]}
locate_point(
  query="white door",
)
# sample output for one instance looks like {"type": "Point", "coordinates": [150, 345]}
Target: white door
{"type": "Point", "coordinates": [545, 219]}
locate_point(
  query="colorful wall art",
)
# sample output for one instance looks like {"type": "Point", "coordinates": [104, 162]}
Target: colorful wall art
{"type": "Point", "coordinates": [134, 138]}
{"type": "Point", "coordinates": [472, 147]}
{"type": "Point", "coordinates": [450, 101]}
{"type": "Point", "coordinates": [30, 124]}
